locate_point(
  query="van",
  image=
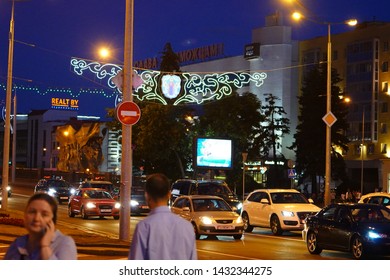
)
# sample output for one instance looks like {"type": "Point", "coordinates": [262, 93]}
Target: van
{"type": "Point", "coordinates": [205, 187]}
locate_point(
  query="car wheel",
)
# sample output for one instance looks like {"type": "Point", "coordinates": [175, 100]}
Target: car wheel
{"type": "Point", "coordinates": [116, 217]}
{"type": "Point", "coordinates": [237, 236]}
{"type": "Point", "coordinates": [70, 212]}
{"type": "Point", "coordinates": [247, 225]}
{"type": "Point", "coordinates": [357, 248]}
{"type": "Point", "coordinates": [197, 235]}
{"type": "Point", "coordinates": [275, 225]}
{"type": "Point", "coordinates": [83, 215]}
{"type": "Point", "coordinates": [312, 245]}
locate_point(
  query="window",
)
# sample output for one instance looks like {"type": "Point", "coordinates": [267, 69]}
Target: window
{"type": "Point", "coordinates": [383, 148]}
{"type": "Point", "coordinates": [385, 107]}
{"type": "Point", "coordinates": [385, 46]}
{"type": "Point", "coordinates": [385, 87]}
{"type": "Point", "coordinates": [383, 128]}
{"type": "Point", "coordinates": [370, 149]}
{"type": "Point", "coordinates": [385, 66]}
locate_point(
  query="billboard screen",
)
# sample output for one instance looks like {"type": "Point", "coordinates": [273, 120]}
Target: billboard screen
{"type": "Point", "coordinates": [213, 153]}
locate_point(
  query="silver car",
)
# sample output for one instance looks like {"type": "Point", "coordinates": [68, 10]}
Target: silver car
{"type": "Point", "coordinates": [209, 215]}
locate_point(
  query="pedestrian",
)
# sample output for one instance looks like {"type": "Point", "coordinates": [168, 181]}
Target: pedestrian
{"type": "Point", "coordinates": [43, 241]}
{"type": "Point", "coordinates": [162, 235]}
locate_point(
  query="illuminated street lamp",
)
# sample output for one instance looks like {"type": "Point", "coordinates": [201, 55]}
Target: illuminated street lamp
{"type": "Point", "coordinates": [328, 118]}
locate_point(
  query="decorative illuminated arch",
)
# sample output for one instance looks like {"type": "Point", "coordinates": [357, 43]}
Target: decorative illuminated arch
{"type": "Point", "coordinates": [149, 85]}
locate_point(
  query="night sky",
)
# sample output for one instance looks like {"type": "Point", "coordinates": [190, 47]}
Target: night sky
{"type": "Point", "coordinates": [48, 33]}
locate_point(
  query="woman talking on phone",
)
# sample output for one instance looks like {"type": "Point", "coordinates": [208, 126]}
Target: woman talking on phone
{"type": "Point", "coordinates": [43, 241]}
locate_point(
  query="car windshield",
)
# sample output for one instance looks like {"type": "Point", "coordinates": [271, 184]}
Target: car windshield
{"type": "Point", "coordinates": [288, 197]}
{"type": "Point", "coordinates": [97, 195]}
{"type": "Point", "coordinates": [57, 184]}
{"type": "Point", "coordinates": [213, 189]}
{"type": "Point", "coordinates": [210, 205]}
{"type": "Point", "coordinates": [371, 214]}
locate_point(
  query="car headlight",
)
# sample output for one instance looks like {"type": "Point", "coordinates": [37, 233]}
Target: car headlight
{"type": "Point", "coordinates": [72, 191]}
{"type": "Point", "coordinates": [287, 214]}
{"type": "Point", "coordinates": [239, 206]}
{"type": "Point", "coordinates": [8, 188]}
{"type": "Point", "coordinates": [239, 220]}
{"type": "Point", "coordinates": [117, 205]}
{"type": "Point", "coordinates": [134, 203]}
{"type": "Point", "coordinates": [52, 192]}
{"type": "Point", "coordinates": [90, 205]}
{"type": "Point", "coordinates": [375, 235]}
{"type": "Point", "coordinates": [206, 220]}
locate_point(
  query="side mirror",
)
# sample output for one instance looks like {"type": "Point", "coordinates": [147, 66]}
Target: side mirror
{"type": "Point", "coordinates": [234, 208]}
{"type": "Point", "coordinates": [264, 201]}
{"type": "Point", "coordinates": [311, 200]}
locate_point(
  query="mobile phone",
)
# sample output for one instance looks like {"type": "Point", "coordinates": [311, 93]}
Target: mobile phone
{"type": "Point", "coordinates": [43, 230]}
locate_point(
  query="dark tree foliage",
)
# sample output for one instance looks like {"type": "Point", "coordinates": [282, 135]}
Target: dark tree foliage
{"type": "Point", "coordinates": [309, 143]}
{"type": "Point", "coordinates": [235, 117]}
{"type": "Point", "coordinates": [170, 61]}
{"type": "Point", "coordinates": [275, 126]}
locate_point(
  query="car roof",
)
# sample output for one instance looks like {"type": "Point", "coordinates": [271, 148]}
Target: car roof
{"type": "Point", "coordinates": [199, 196]}
{"type": "Point", "coordinates": [277, 190]}
{"type": "Point", "coordinates": [376, 194]}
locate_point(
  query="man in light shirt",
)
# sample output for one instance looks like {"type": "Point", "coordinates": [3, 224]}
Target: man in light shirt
{"type": "Point", "coordinates": [162, 235]}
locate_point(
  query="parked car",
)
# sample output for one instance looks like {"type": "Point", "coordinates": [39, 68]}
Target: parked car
{"type": "Point", "coordinates": [357, 228]}
{"type": "Point", "coordinates": [58, 188]}
{"type": "Point", "coordinates": [278, 209]}
{"type": "Point", "coordinates": [93, 202]}
{"type": "Point", "coordinates": [381, 198]}
{"type": "Point", "coordinates": [209, 215]}
{"type": "Point", "coordinates": [205, 187]}
{"type": "Point", "coordinates": [106, 185]}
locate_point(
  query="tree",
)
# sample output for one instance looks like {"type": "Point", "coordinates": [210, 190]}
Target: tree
{"type": "Point", "coordinates": [309, 143]}
{"type": "Point", "coordinates": [275, 126]}
{"type": "Point", "coordinates": [235, 117]}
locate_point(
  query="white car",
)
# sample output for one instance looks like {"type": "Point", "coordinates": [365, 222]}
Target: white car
{"type": "Point", "coordinates": [381, 198]}
{"type": "Point", "coordinates": [278, 209]}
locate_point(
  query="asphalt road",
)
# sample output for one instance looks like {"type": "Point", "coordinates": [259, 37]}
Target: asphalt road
{"type": "Point", "coordinates": [258, 245]}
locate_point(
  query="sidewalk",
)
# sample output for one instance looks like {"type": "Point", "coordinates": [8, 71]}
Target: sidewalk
{"type": "Point", "coordinates": [87, 242]}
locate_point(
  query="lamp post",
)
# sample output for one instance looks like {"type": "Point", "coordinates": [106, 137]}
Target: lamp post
{"type": "Point", "coordinates": [362, 154]}
{"type": "Point", "coordinates": [329, 118]}
{"type": "Point", "coordinates": [7, 126]}
{"type": "Point", "coordinates": [127, 161]}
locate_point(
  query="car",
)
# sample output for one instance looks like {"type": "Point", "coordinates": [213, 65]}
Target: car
{"type": "Point", "coordinates": [209, 215]}
{"type": "Point", "coordinates": [138, 202]}
{"type": "Point", "coordinates": [93, 202]}
{"type": "Point", "coordinates": [9, 188]}
{"type": "Point", "coordinates": [205, 187]}
{"type": "Point", "coordinates": [106, 185]}
{"type": "Point", "coordinates": [57, 188]}
{"type": "Point", "coordinates": [278, 209]}
{"type": "Point", "coordinates": [358, 228]}
{"type": "Point", "coordinates": [376, 198]}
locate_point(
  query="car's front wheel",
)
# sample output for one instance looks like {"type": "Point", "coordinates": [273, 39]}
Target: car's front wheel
{"type": "Point", "coordinates": [247, 225]}
{"type": "Point", "coordinates": [83, 214]}
{"type": "Point", "coordinates": [70, 212]}
{"type": "Point", "coordinates": [357, 248]}
{"type": "Point", "coordinates": [237, 236]}
{"type": "Point", "coordinates": [312, 244]}
{"type": "Point", "coordinates": [275, 225]}
{"type": "Point", "coordinates": [197, 235]}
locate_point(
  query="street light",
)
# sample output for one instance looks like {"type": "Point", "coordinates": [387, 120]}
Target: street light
{"type": "Point", "coordinates": [328, 116]}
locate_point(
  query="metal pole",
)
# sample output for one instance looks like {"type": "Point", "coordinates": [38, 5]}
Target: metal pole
{"type": "Point", "coordinates": [127, 156]}
{"type": "Point", "coordinates": [7, 126]}
{"type": "Point", "coordinates": [14, 144]}
{"type": "Point", "coordinates": [362, 151]}
{"type": "Point", "coordinates": [328, 143]}
{"type": "Point", "coordinates": [244, 157]}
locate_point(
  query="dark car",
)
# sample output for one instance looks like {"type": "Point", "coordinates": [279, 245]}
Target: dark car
{"type": "Point", "coordinates": [106, 185]}
{"type": "Point", "coordinates": [205, 187]}
{"type": "Point", "coordinates": [58, 188]}
{"type": "Point", "coordinates": [361, 229]}
{"type": "Point", "coordinates": [138, 202]}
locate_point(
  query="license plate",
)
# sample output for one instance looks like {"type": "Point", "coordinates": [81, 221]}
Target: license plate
{"type": "Point", "coordinates": [225, 227]}
{"type": "Point", "coordinates": [105, 210]}
{"type": "Point", "coordinates": [64, 197]}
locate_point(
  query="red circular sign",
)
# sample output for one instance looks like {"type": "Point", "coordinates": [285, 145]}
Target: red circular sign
{"type": "Point", "coordinates": [128, 113]}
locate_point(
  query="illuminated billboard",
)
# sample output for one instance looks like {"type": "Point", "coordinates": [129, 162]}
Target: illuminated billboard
{"type": "Point", "coordinates": [213, 153]}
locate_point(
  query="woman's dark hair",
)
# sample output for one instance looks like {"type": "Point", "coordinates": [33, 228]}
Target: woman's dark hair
{"type": "Point", "coordinates": [49, 199]}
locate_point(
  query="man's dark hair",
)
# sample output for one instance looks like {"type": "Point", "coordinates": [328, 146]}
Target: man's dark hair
{"type": "Point", "coordinates": [49, 199]}
{"type": "Point", "coordinates": [157, 186]}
